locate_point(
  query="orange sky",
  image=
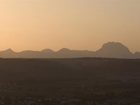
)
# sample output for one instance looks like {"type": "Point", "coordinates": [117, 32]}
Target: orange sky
{"type": "Point", "coordinates": [75, 24]}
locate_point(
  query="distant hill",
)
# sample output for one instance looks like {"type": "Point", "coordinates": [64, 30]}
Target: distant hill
{"type": "Point", "coordinates": [108, 50]}
{"type": "Point", "coordinates": [137, 54]}
{"type": "Point", "coordinates": [114, 50]}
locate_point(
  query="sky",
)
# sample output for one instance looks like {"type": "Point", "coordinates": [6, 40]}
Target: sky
{"type": "Point", "coordinates": [74, 24]}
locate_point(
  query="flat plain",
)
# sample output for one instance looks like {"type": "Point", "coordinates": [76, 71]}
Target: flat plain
{"type": "Point", "coordinates": [74, 81]}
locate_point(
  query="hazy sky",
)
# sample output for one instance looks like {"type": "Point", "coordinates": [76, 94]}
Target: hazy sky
{"type": "Point", "coordinates": [75, 24]}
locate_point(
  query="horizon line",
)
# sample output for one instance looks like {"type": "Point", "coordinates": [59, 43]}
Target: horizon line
{"type": "Point", "coordinates": [64, 48]}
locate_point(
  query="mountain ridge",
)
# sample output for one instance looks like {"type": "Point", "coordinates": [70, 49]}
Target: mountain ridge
{"type": "Point", "coordinates": [108, 50]}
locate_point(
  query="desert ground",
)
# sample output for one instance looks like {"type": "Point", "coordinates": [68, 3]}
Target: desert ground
{"type": "Point", "coordinates": [74, 81]}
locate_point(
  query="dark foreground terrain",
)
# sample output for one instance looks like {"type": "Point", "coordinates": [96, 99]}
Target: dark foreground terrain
{"type": "Point", "coordinates": [81, 81]}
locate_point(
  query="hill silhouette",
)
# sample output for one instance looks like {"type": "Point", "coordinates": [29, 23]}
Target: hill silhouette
{"type": "Point", "coordinates": [114, 50]}
{"type": "Point", "coordinates": [108, 50]}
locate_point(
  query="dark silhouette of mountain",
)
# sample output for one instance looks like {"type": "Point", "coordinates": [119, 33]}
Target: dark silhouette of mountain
{"type": "Point", "coordinates": [114, 50]}
{"type": "Point", "coordinates": [28, 54]}
{"type": "Point", "coordinates": [47, 51]}
{"type": "Point", "coordinates": [108, 50]}
{"type": "Point", "coordinates": [9, 53]}
{"type": "Point", "coordinates": [67, 53]}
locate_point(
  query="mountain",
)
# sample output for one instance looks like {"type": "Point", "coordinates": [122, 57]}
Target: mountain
{"type": "Point", "coordinates": [114, 50]}
{"type": "Point", "coordinates": [9, 53]}
{"type": "Point", "coordinates": [67, 53]}
{"type": "Point", "coordinates": [137, 54]}
{"type": "Point", "coordinates": [47, 51]}
{"type": "Point", "coordinates": [28, 54]}
{"type": "Point", "coordinates": [108, 50]}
